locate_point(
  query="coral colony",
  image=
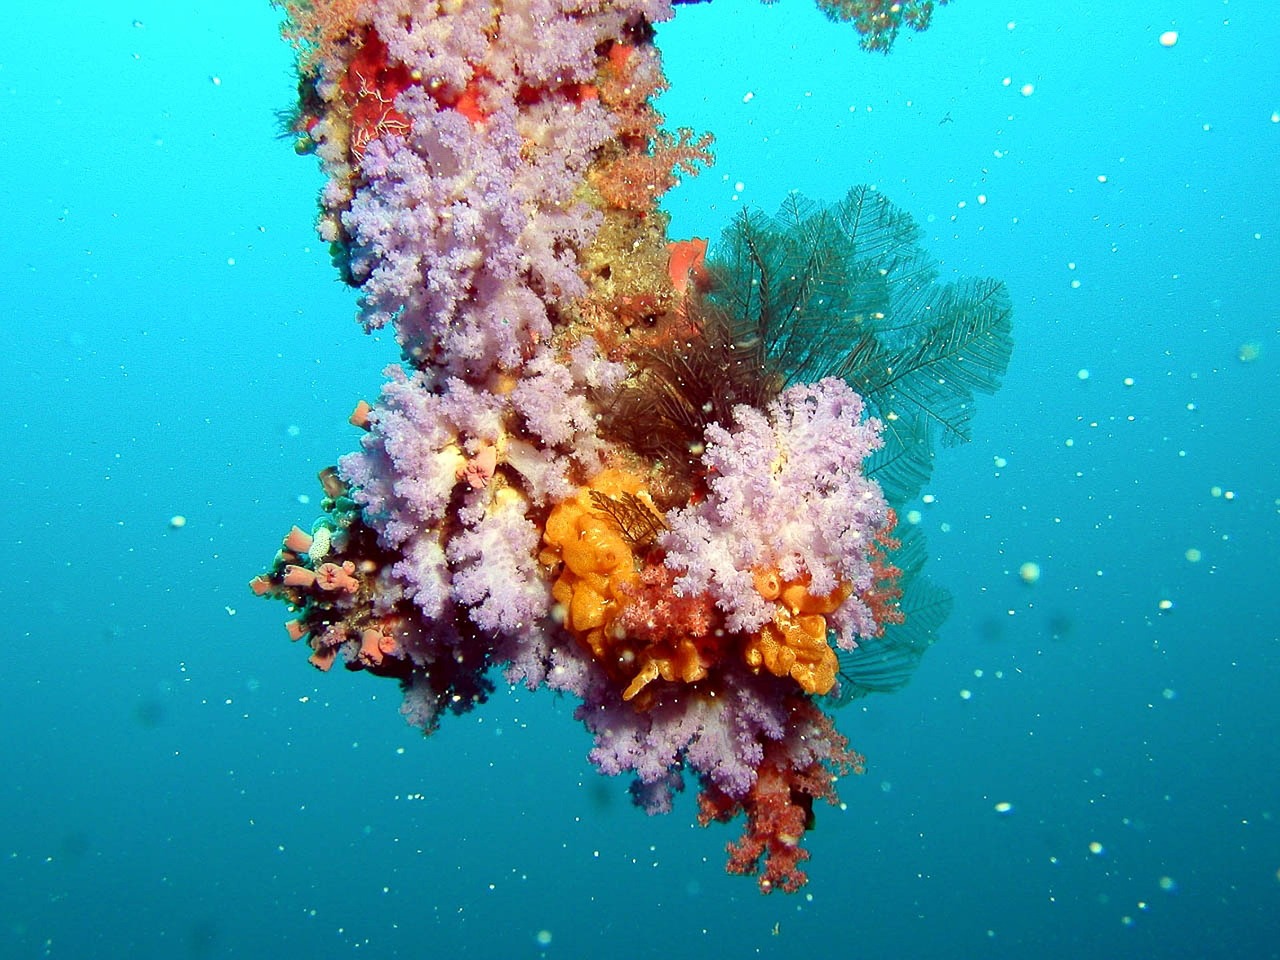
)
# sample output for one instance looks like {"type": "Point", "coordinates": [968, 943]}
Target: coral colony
{"type": "Point", "coordinates": [659, 476]}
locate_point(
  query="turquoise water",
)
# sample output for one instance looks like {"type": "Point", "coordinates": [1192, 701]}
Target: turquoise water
{"type": "Point", "coordinates": [178, 781]}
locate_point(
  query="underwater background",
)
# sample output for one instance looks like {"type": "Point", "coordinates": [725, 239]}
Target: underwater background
{"type": "Point", "coordinates": [1089, 758]}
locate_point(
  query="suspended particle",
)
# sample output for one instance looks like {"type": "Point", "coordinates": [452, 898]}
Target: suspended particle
{"type": "Point", "coordinates": [1169, 38]}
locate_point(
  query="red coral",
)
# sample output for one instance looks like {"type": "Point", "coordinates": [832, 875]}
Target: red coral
{"type": "Point", "coordinates": [655, 613]}
{"type": "Point", "coordinates": [883, 595]}
{"type": "Point", "coordinates": [667, 635]}
{"type": "Point", "coordinates": [370, 87]}
{"type": "Point", "coordinates": [777, 815]}
{"type": "Point", "coordinates": [779, 807]}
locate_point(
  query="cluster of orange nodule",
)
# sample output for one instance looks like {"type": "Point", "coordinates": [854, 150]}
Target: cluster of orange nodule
{"type": "Point", "coordinates": [604, 575]}
{"type": "Point", "coordinates": [597, 567]}
{"type": "Point", "coordinates": [794, 644]}
{"type": "Point", "coordinates": [614, 593]}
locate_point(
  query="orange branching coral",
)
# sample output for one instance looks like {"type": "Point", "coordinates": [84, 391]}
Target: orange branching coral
{"type": "Point", "coordinates": [878, 21]}
{"type": "Point", "coordinates": [635, 180]}
{"type": "Point", "coordinates": [795, 643]}
{"type": "Point", "coordinates": [319, 27]}
{"type": "Point", "coordinates": [630, 78]}
{"type": "Point", "coordinates": [646, 163]}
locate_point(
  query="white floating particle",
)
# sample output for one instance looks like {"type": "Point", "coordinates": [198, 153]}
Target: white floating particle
{"type": "Point", "coordinates": [177, 521]}
{"type": "Point", "coordinates": [1029, 572]}
{"type": "Point", "coordinates": [1027, 89]}
{"type": "Point", "coordinates": [1169, 38]}
{"type": "Point", "coordinates": [1004, 807]}
{"type": "Point", "coordinates": [1082, 374]}
{"type": "Point", "coordinates": [748, 97]}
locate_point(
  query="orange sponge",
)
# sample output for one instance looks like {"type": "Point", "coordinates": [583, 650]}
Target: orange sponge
{"type": "Point", "coordinates": [795, 643]}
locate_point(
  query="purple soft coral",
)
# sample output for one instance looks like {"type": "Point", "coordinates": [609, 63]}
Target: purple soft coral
{"type": "Point", "coordinates": [787, 492]}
